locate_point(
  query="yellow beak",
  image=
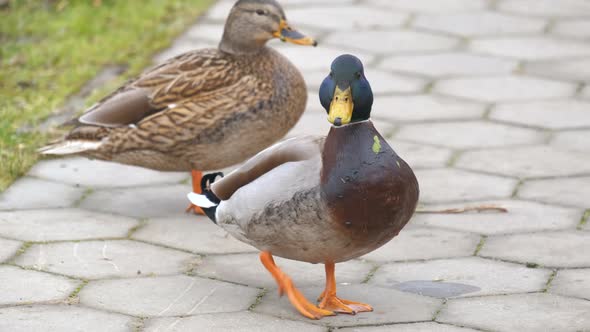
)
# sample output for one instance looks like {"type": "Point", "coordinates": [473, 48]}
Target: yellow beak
{"type": "Point", "coordinates": [341, 107]}
{"type": "Point", "coordinates": [288, 34]}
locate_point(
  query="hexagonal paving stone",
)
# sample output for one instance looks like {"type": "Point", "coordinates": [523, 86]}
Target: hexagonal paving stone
{"type": "Point", "coordinates": [469, 135]}
{"type": "Point", "coordinates": [179, 47]}
{"type": "Point", "coordinates": [391, 42]}
{"type": "Point", "coordinates": [531, 48]}
{"type": "Point", "coordinates": [412, 327]}
{"type": "Point", "coordinates": [575, 140]}
{"type": "Point", "coordinates": [220, 10]}
{"type": "Point", "coordinates": [566, 8]}
{"type": "Point", "coordinates": [433, 6]}
{"type": "Point", "coordinates": [389, 306]}
{"type": "Point", "coordinates": [570, 191]}
{"type": "Point", "coordinates": [421, 156]}
{"type": "Point", "coordinates": [573, 70]}
{"type": "Point", "coordinates": [307, 2]}
{"type": "Point", "coordinates": [480, 24]}
{"type": "Point", "coordinates": [30, 193]}
{"type": "Point", "coordinates": [504, 88]}
{"type": "Point", "coordinates": [244, 321]}
{"type": "Point", "coordinates": [314, 79]}
{"type": "Point", "coordinates": [194, 233]}
{"type": "Point", "coordinates": [101, 259]}
{"type": "Point", "coordinates": [19, 286]}
{"type": "Point", "coordinates": [95, 173]}
{"type": "Point", "coordinates": [447, 185]}
{"type": "Point", "coordinates": [140, 202]}
{"type": "Point", "coordinates": [522, 216]}
{"type": "Point", "coordinates": [553, 249]}
{"type": "Point", "coordinates": [208, 32]}
{"type": "Point", "coordinates": [8, 248]}
{"type": "Point", "coordinates": [345, 17]}
{"type": "Point", "coordinates": [553, 114]}
{"type": "Point", "coordinates": [167, 296]}
{"type": "Point", "coordinates": [382, 82]}
{"type": "Point", "coordinates": [246, 269]}
{"type": "Point", "coordinates": [318, 58]}
{"type": "Point", "coordinates": [572, 28]}
{"type": "Point", "coordinates": [313, 104]}
{"type": "Point", "coordinates": [518, 312]}
{"type": "Point", "coordinates": [574, 283]}
{"type": "Point", "coordinates": [425, 107]}
{"type": "Point", "coordinates": [446, 64]}
{"type": "Point", "coordinates": [470, 276]}
{"type": "Point", "coordinates": [42, 318]}
{"type": "Point", "coordinates": [526, 161]}
{"type": "Point", "coordinates": [315, 124]}
{"type": "Point", "coordinates": [415, 242]}
{"type": "Point", "coordinates": [63, 224]}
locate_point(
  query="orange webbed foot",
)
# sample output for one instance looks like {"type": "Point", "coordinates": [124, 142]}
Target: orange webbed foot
{"type": "Point", "coordinates": [194, 209]}
{"type": "Point", "coordinates": [286, 286]}
{"type": "Point", "coordinates": [196, 178]}
{"type": "Point", "coordinates": [300, 303]}
{"type": "Point", "coordinates": [336, 304]}
{"type": "Point", "coordinates": [329, 300]}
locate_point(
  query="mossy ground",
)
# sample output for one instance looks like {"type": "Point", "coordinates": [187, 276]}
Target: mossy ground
{"type": "Point", "coordinates": [49, 49]}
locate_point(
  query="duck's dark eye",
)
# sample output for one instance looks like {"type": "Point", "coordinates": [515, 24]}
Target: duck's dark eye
{"type": "Point", "coordinates": [261, 12]}
{"type": "Point", "coordinates": [331, 74]}
{"type": "Point", "coordinates": [357, 74]}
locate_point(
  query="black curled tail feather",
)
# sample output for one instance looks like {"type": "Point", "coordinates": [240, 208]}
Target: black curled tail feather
{"type": "Point", "coordinates": [206, 181]}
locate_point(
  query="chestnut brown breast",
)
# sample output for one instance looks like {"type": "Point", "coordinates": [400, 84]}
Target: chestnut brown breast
{"type": "Point", "coordinates": [371, 193]}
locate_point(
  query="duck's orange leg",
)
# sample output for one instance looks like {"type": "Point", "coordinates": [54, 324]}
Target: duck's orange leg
{"type": "Point", "coordinates": [286, 286]}
{"type": "Point", "coordinates": [330, 301]}
{"type": "Point", "coordinates": [197, 176]}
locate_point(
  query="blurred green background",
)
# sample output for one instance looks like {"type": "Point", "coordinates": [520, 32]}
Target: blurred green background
{"type": "Point", "coordinates": [50, 49]}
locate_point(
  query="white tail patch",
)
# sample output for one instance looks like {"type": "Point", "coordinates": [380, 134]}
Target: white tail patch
{"type": "Point", "coordinates": [200, 200]}
{"type": "Point", "coordinates": [70, 147]}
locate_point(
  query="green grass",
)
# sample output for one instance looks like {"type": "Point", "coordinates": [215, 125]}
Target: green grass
{"type": "Point", "coordinates": [50, 48]}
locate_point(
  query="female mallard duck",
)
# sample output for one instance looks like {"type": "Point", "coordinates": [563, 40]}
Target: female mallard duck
{"type": "Point", "coordinates": [319, 199]}
{"type": "Point", "coordinates": [202, 110]}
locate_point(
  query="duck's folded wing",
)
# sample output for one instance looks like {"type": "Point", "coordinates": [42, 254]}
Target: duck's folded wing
{"type": "Point", "coordinates": [127, 107]}
{"type": "Point", "coordinates": [180, 80]}
{"type": "Point", "coordinates": [291, 150]}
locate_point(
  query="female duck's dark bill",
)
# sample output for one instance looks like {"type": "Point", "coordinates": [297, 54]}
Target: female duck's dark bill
{"type": "Point", "coordinates": [288, 34]}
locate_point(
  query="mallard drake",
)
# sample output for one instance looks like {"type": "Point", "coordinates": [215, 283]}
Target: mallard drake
{"type": "Point", "coordinates": [319, 199]}
{"type": "Point", "coordinates": [203, 110]}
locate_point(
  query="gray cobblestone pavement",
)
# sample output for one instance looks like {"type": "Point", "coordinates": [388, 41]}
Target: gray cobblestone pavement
{"type": "Point", "coordinates": [486, 99]}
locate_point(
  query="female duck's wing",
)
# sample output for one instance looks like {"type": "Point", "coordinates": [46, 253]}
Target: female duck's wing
{"type": "Point", "coordinates": [291, 150]}
{"type": "Point", "coordinates": [175, 86]}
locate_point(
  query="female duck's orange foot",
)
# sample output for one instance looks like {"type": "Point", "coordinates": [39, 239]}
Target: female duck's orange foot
{"type": "Point", "coordinates": [286, 286]}
{"type": "Point", "coordinates": [194, 209]}
{"type": "Point", "coordinates": [336, 304]}
{"type": "Point", "coordinates": [197, 176]}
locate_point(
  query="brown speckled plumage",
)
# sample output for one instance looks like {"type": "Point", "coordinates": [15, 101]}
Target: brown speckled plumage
{"type": "Point", "coordinates": [205, 109]}
{"type": "Point", "coordinates": [238, 108]}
